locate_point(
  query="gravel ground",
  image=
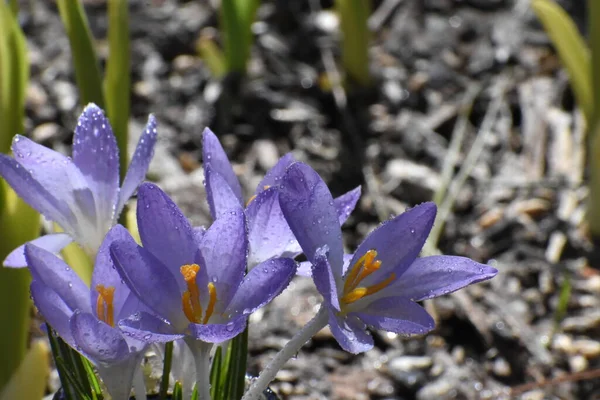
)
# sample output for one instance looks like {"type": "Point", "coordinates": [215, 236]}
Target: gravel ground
{"type": "Point", "coordinates": [479, 76]}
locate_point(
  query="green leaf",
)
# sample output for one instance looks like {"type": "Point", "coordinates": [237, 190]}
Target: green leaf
{"type": "Point", "coordinates": [236, 364]}
{"type": "Point", "coordinates": [212, 56]}
{"type": "Point", "coordinates": [118, 77]}
{"type": "Point", "coordinates": [354, 15]}
{"type": "Point", "coordinates": [177, 391]}
{"type": "Point", "coordinates": [14, 75]}
{"type": "Point", "coordinates": [571, 49]}
{"type": "Point", "coordinates": [594, 38]}
{"type": "Point", "coordinates": [168, 359]}
{"type": "Point", "coordinates": [87, 69]}
{"type": "Point", "coordinates": [236, 22]}
{"type": "Point", "coordinates": [215, 374]}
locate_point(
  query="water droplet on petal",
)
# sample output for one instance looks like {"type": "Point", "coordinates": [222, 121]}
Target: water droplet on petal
{"type": "Point", "coordinates": [229, 326]}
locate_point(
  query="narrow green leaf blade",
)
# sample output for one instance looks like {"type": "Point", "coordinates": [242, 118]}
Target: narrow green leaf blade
{"type": "Point", "coordinates": [571, 49]}
{"type": "Point", "coordinates": [14, 76]}
{"type": "Point", "coordinates": [87, 69]}
{"type": "Point", "coordinates": [594, 35]}
{"type": "Point", "coordinates": [118, 76]}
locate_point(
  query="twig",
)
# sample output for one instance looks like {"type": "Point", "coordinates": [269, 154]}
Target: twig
{"type": "Point", "coordinates": [574, 377]}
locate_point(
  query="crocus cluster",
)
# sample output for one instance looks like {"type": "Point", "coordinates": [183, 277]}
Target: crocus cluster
{"type": "Point", "coordinates": [198, 286]}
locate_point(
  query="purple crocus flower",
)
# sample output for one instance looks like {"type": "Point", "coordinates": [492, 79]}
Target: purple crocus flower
{"type": "Point", "coordinates": [381, 282]}
{"type": "Point", "coordinates": [82, 194]}
{"type": "Point", "coordinates": [193, 280]}
{"type": "Point", "coordinates": [269, 235]}
{"type": "Point", "coordinates": [86, 317]}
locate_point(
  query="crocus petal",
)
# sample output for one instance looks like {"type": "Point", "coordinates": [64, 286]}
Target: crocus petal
{"type": "Point", "coordinates": [96, 154]}
{"type": "Point", "coordinates": [53, 272]}
{"type": "Point", "coordinates": [139, 163]}
{"type": "Point", "coordinates": [97, 340]}
{"type": "Point", "coordinates": [434, 276]}
{"type": "Point", "coordinates": [269, 235]}
{"type": "Point", "coordinates": [53, 308]}
{"type": "Point", "coordinates": [106, 274]}
{"type": "Point", "coordinates": [397, 242]}
{"type": "Point", "coordinates": [214, 158]}
{"type": "Point", "coordinates": [221, 198]}
{"type": "Point", "coordinates": [350, 333]}
{"type": "Point", "coordinates": [46, 200]}
{"type": "Point", "coordinates": [261, 285]}
{"type": "Point", "coordinates": [324, 279]}
{"type": "Point", "coordinates": [149, 280]}
{"type": "Point", "coordinates": [345, 204]}
{"type": "Point", "coordinates": [54, 243]}
{"type": "Point", "coordinates": [148, 328]}
{"type": "Point", "coordinates": [223, 248]}
{"type": "Point", "coordinates": [118, 377]}
{"type": "Point", "coordinates": [396, 314]}
{"type": "Point", "coordinates": [164, 230]}
{"type": "Point", "coordinates": [218, 333]}
{"type": "Point", "coordinates": [308, 208]}
{"type": "Point", "coordinates": [274, 175]}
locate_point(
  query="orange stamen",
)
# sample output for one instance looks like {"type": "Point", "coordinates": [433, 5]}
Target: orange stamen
{"type": "Point", "coordinates": [364, 267]}
{"type": "Point", "coordinates": [105, 304]}
{"type": "Point", "coordinates": [251, 199]}
{"type": "Point", "coordinates": [190, 299]}
{"type": "Point", "coordinates": [212, 292]}
{"type": "Point", "coordinates": [359, 293]}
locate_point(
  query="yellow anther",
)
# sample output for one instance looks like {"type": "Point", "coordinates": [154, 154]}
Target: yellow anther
{"type": "Point", "coordinates": [251, 199]}
{"type": "Point", "coordinates": [190, 299]}
{"type": "Point", "coordinates": [361, 269]}
{"type": "Point", "coordinates": [365, 266]}
{"type": "Point", "coordinates": [212, 299]}
{"type": "Point", "coordinates": [359, 293]}
{"type": "Point", "coordinates": [105, 308]}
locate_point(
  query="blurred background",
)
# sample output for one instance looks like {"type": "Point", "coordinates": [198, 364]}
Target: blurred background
{"type": "Point", "coordinates": [460, 101]}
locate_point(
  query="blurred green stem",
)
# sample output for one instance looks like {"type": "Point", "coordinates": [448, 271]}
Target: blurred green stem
{"type": "Point", "coordinates": [354, 15]}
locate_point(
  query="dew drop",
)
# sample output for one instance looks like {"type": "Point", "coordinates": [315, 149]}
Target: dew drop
{"type": "Point", "coordinates": [147, 336]}
{"type": "Point", "coordinates": [229, 327]}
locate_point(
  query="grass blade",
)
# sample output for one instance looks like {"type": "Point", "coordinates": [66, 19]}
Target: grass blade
{"type": "Point", "coordinates": [571, 49]}
{"type": "Point", "coordinates": [118, 76]}
{"type": "Point", "coordinates": [87, 69]}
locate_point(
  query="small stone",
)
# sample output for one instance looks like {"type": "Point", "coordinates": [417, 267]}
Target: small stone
{"type": "Point", "coordinates": [266, 153]}
{"type": "Point", "coordinates": [410, 363]}
{"type": "Point", "coordinates": [439, 389]}
{"type": "Point", "coordinates": [578, 363]}
{"type": "Point", "coordinates": [45, 132]}
{"type": "Point", "coordinates": [586, 347]}
{"type": "Point", "coordinates": [501, 367]}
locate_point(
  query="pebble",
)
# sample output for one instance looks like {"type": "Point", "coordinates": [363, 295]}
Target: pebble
{"type": "Point", "coordinates": [410, 363]}
{"type": "Point", "coordinates": [45, 132]}
{"type": "Point", "coordinates": [586, 347]}
{"type": "Point", "coordinates": [266, 153]}
{"type": "Point", "coordinates": [578, 363]}
{"type": "Point", "coordinates": [501, 367]}
{"type": "Point", "coordinates": [438, 389]}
